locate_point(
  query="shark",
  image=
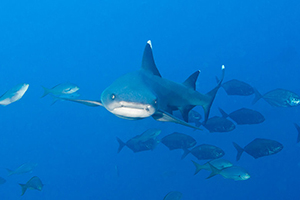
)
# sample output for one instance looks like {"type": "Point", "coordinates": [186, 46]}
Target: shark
{"type": "Point", "coordinates": [145, 93]}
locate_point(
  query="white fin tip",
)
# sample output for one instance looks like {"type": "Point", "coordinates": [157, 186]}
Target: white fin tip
{"type": "Point", "coordinates": [149, 42]}
{"type": "Point", "coordinates": [223, 66]}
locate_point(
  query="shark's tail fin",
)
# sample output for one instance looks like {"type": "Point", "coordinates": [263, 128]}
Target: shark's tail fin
{"type": "Point", "coordinates": [212, 95]}
{"type": "Point", "coordinates": [223, 113]}
{"type": "Point", "coordinates": [185, 153]}
{"type": "Point", "coordinates": [257, 97]}
{"type": "Point", "coordinates": [46, 91]}
{"type": "Point", "coordinates": [121, 144]}
{"type": "Point", "coordinates": [239, 149]}
{"type": "Point", "coordinates": [298, 129]}
{"type": "Point", "coordinates": [198, 167]}
{"type": "Point", "coordinates": [214, 171]}
{"type": "Point", "coordinates": [24, 188]}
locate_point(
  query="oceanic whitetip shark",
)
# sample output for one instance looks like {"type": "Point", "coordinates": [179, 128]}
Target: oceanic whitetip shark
{"type": "Point", "coordinates": [145, 93]}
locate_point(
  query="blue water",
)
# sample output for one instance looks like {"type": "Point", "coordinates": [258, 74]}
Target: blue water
{"type": "Point", "coordinates": [91, 43]}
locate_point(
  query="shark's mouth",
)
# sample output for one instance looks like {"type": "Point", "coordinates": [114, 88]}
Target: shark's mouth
{"type": "Point", "coordinates": [131, 110]}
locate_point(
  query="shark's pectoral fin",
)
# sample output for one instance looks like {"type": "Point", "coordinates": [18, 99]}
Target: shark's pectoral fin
{"type": "Point", "coordinates": [166, 117]}
{"type": "Point", "coordinates": [185, 112]}
{"type": "Point", "coordinates": [85, 102]}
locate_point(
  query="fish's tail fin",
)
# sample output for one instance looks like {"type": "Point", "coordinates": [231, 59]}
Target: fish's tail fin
{"type": "Point", "coordinates": [10, 172]}
{"type": "Point", "coordinates": [239, 149]}
{"type": "Point", "coordinates": [121, 144]}
{"type": "Point", "coordinates": [46, 91]}
{"type": "Point", "coordinates": [298, 129]}
{"type": "Point", "coordinates": [214, 171]}
{"type": "Point", "coordinates": [24, 188]}
{"type": "Point", "coordinates": [223, 113]}
{"type": "Point", "coordinates": [198, 167]}
{"type": "Point", "coordinates": [185, 153]}
{"type": "Point", "coordinates": [257, 97]}
{"type": "Point", "coordinates": [212, 94]}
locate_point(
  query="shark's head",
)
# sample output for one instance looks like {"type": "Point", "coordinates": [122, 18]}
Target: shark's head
{"type": "Point", "coordinates": [129, 98]}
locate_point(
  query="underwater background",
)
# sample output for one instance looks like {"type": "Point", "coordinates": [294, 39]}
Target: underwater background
{"type": "Point", "coordinates": [92, 43]}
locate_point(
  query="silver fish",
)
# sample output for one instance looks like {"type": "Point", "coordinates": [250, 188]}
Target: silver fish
{"type": "Point", "coordinates": [279, 98]}
{"type": "Point", "coordinates": [34, 183]}
{"type": "Point", "coordinates": [61, 89]}
{"type": "Point", "coordinates": [234, 172]}
{"type": "Point", "coordinates": [25, 168]}
{"type": "Point", "coordinates": [217, 163]}
{"type": "Point", "coordinates": [13, 94]}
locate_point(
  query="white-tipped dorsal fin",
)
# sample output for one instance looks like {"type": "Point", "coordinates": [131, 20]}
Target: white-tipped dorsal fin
{"type": "Point", "coordinates": [148, 63]}
{"type": "Point", "coordinates": [149, 42]}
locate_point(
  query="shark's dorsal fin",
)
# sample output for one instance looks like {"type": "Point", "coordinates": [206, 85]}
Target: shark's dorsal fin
{"type": "Point", "coordinates": [191, 80]}
{"type": "Point", "coordinates": [148, 63]}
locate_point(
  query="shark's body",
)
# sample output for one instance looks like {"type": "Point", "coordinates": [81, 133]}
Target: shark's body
{"type": "Point", "coordinates": [145, 93]}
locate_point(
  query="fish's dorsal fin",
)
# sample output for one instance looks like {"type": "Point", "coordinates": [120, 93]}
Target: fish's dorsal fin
{"type": "Point", "coordinates": [148, 63]}
{"type": "Point", "coordinates": [191, 80]}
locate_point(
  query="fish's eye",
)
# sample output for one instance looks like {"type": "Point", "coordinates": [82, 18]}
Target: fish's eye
{"type": "Point", "coordinates": [113, 96]}
{"type": "Point", "coordinates": [155, 101]}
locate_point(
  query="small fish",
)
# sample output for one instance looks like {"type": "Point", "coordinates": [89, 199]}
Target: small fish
{"type": "Point", "coordinates": [151, 133]}
{"type": "Point", "coordinates": [25, 168]}
{"type": "Point", "coordinates": [13, 94]}
{"type": "Point", "coordinates": [244, 116]}
{"type": "Point", "coordinates": [236, 87]}
{"type": "Point", "coordinates": [179, 141]}
{"type": "Point", "coordinates": [195, 117]}
{"type": "Point", "coordinates": [207, 152]}
{"type": "Point", "coordinates": [2, 180]}
{"type": "Point", "coordinates": [298, 130]}
{"type": "Point", "coordinates": [61, 89]}
{"type": "Point", "coordinates": [143, 142]}
{"type": "Point", "coordinates": [174, 195]}
{"type": "Point", "coordinates": [258, 148]}
{"type": "Point", "coordinates": [219, 124]}
{"type": "Point", "coordinates": [279, 98]}
{"type": "Point", "coordinates": [234, 172]}
{"type": "Point", "coordinates": [217, 163]}
{"type": "Point", "coordinates": [34, 183]}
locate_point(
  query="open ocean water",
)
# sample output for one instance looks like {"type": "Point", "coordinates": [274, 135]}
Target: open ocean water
{"type": "Point", "coordinates": [92, 43]}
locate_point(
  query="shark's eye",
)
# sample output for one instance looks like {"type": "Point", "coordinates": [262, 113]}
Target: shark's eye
{"type": "Point", "coordinates": [113, 96]}
{"type": "Point", "coordinates": [147, 108]}
{"type": "Point", "coordinates": [155, 101]}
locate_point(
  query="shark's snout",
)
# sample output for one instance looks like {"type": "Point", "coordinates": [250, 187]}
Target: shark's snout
{"type": "Point", "coordinates": [129, 105]}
